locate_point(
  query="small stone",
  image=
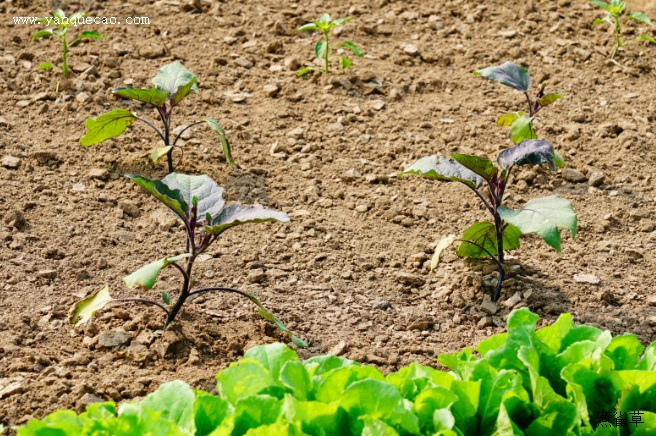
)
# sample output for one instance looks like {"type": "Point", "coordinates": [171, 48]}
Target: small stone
{"type": "Point", "coordinates": [130, 209]}
{"type": "Point", "coordinates": [633, 254]}
{"type": "Point", "coordinates": [362, 208]}
{"type": "Point", "coordinates": [586, 278]}
{"type": "Point", "coordinates": [508, 33]}
{"type": "Point", "coordinates": [384, 305]}
{"type": "Point", "coordinates": [10, 387]}
{"type": "Point", "coordinates": [78, 187]}
{"type": "Point", "coordinates": [297, 133]}
{"type": "Point", "coordinates": [271, 90]}
{"type": "Point", "coordinates": [278, 150]}
{"type": "Point", "coordinates": [351, 175]}
{"type": "Point", "coordinates": [152, 51]}
{"type": "Point", "coordinates": [421, 324]}
{"type": "Point", "coordinates": [99, 174]}
{"type": "Point", "coordinates": [164, 219]}
{"type": "Point", "coordinates": [82, 97]}
{"type": "Point", "coordinates": [651, 300]}
{"type": "Point", "coordinates": [292, 64]}
{"type": "Point", "coordinates": [15, 218]}
{"type": "Point", "coordinates": [146, 338]}
{"type": "Point", "coordinates": [114, 338]}
{"type": "Point", "coordinates": [377, 104]}
{"type": "Point", "coordinates": [49, 274]}
{"type": "Point", "coordinates": [11, 162]}
{"type": "Point", "coordinates": [409, 279]}
{"type": "Point", "coordinates": [256, 276]}
{"type": "Point", "coordinates": [44, 157]}
{"type": "Point", "coordinates": [410, 49]}
{"type": "Point", "coordinates": [596, 178]}
{"type": "Point", "coordinates": [336, 127]}
{"type": "Point", "coordinates": [237, 97]}
{"type": "Point", "coordinates": [651, 320]}
{"type": "Point", "coordinates": [376, 360]}
{"type": "Point", "coordinates": [243, 62]}
{"type": "Point", "coordinates": [488, 306]}
{"type": "Point", "coordinates": [486, 321]}
{"type": "Point", "coordinates": [280, 27]}
{"type": "Point", "coordinates": [3, 122]}
{"type": "Point", "coordinates": [512, 301]}
{"type": "Point", "coordinates": [184, 134]}
{"type": "Point", "coordinates": [339, 349]}
{"type": "Point", "coordinates": [574, 176]}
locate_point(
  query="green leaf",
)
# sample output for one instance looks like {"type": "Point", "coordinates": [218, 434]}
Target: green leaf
{"type": "Point", "coordinates": [107, 126]}
{"type": "Point", "coordinates": [236, 214]}
{"type": "Point", "coordinates": [482, 167]}
{"type": "Point", "coordinates": [325, 19]}
{"type": "Point", "coordinates": [175, 403]}
{"type": "Point", "coordinates": [208, 193]}
{"type": "Point", "coordinates": [320, 50]}
{"type": "Point", "coordinates": [356, 51]}
{"type": "Point", "coordinates": [159, 153]}
{"type": "Point", "coordinates": [528, 152]}
{"type": "Point", "coordinates": [644, 37]}
{"type": "Point", "coordinates": [87, 35]}
{"type": "Point", "coordinates": [45, 66]}
{"type": "Point", "coordinates": [641, 17]}
{"type": "Point", "coordinates": [344, 63]}
{"type": "Point", "coordinates": [242, 379]}
{"type": "Point", "coordinates": [308, 26]}
{"type": "Point", "coordinates": [183, 91]}
{"type": "Point", "coordinates": [224, 141]}
{"type": "Point", "coordinates": [42, 33]}
{"type": "Point", "coordinates": [152, 96]}
{"type": "Point", "coordinates": [376, 427]}
{"type": "Point", "coordinates": [445, 169]}
{"type": "Point", "coordinates": [171, 77]}
{"type": "Point", "coordinates": [625, 350]}
{"type": "Point", "coordinates": [522, 129]}
{"type": "Point", "coordinates": [273, 357]}
{"type": "Point", "coordinates": [146, 276]}
{"type": "Point", "coordinates": [543, 216]}
{"type": "Point", "coordinates": [506, 120]}
{"type": "Point", "coordinates": [331, 386]}
{"type": "Point", "coordinates": [84, 309]}
{"type": "Point", "coordinates": [166, 298]}
{"type": "Point", "coordinates": [558, 160]}
{"type": "Point", "coordinates": [340, 21]}
{"type": "Point", "coordinates": [484, 234]}
{"type": "Point", "coordinates": [173, 199]}
{"type": "Point", "coordinates": [508, 74]}
{"type": "Point", "coordinates": [304, 71]}
{"type": "Point", "coordinates": [209, 412]}
{"type": "Point", "coordinates": [549, 98]}
{"type": "Point", "coordinates": [269, 316]}
{"type": "Point", "coordinates": [605, 19]}
{"type": "Point", "coordinates": [601, 4]}
{"type": "Point", "coordinates": [444, 243]}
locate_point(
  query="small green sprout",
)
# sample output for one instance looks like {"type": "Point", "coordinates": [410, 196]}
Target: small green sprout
{"type": "Point", "coordinates": [612, 16]}
{"type": "Point", "coordinates": [322, 48]}
{"type": "Point", "coordinates": [62, 24]}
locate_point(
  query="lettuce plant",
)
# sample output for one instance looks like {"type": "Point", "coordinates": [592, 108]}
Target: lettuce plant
{"type": "Point", "coordinates": [198, 202]}
{"type": "Point", "coordinates": [520, 122]}
{"type": "Point", "coordinates": [322, 48]}
{"type": "Point", "coordinates": [564, 379]}
{"type": "Point", "coordinates": [173, 83]}
{"type": "Point", "coordinates": [62, 24]}
{"type": "Point", "coordinates": [613, 16]}
{"type": "Point", "coordinates": [488, 240]}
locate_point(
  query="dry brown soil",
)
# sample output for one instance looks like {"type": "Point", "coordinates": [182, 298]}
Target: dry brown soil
{"type": "Point", "coordinates": [349, 273]}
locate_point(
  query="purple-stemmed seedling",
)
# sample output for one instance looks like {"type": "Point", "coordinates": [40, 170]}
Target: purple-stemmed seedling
{"type": "Point", "coordinates": [172, 84]}
{"type": "Point", "coordinates": [198, 202]}
{"type": "Point", "coordinates": [486, 239]}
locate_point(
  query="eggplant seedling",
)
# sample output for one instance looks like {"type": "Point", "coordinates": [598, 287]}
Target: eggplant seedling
{"type": "Point", "coordinates": [198, 202]}
{"type": "Point", "coordinates": [520, 122]}
{"type": "Point", "coordinates": [322, 48]}
{"type": "Point", "coordinates": [62, 24]}
{"type": "Point", "coordinates": [486, 239]}
{"type": "Point", "coordinates": [173, 83]}
{"type": "Point", "coordinates": [612, 16]}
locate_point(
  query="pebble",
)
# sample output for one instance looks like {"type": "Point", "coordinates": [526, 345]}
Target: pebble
{"type": "Point", "coordinates": [488, 306]}
{"type": "Point", "coordinates": [78, 187]}
{"type": "Point", "coordinates": [574, 176]}
{"type": "Point", "coordinates": [297, 133]}
{"type": "Point", "coordinates": [243, 62]}
{"type": "Point", "coordinates": [99, 174]}
{"type": "Point", "coordinates": [586, 278]}
{"type": "Point", "coordinates": [409, 279]}
{"type": "Point", "coordinates": [351, 175]}
{"type": "Point", "coordinates": [421, 324]}
{"type": "Point", "coordinates": [651, 300]}
{"type": "Point", "coordinates": [49, 274]}
{"type": "Point", "coordinates": [384, 305]}
{"type": "Point", "coordinates": [378, 104]}
{"type": "Point", "coordinates": [10, 387]}
{"type": "Point", "coordinates": [271, 90]}
{"type": "Point", "coordinates": [512, 301]}
{"type": "Point", "coordinates": [237, 97]}
{"type": "Point", "coordinates": [292, 64]}
{"type": "Point", "coordinates": [486, 321]}
{"type": "Point", "coordinates": [130, 209]}
{"type": "Point", "coordinates": [362, 208]}
{"type": "Point", "coordinates": [339, 349]}
{"type": "Point", "coordinates": [11, 162]}
{"type": "Point", "coordinates": [256, 276]}
{"type": "Point", "coordinates": [410, 49]}
{"type": "Point", "coordinates": [336, 127]}
{"type": "Point", "coordinates": [596, 178]}
{"type": "Point", "coordinates": [164, 219]}
{"type": "Point", "coordinates": [3, 122]}
{"type": "Point", "coordinates": [114, 338]}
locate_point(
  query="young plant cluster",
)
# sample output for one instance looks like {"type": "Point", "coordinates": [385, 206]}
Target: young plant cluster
{"type": "Point", "coordinates": [613, 15]}
{"type": "Point", "coordinates": [564, 379]}
{"type": "Point", "coordinates": [63, 24]}
{"type": "Point", "coordinates": [322, 48]}
{"type": "Point", "coordinates": [173, 83]}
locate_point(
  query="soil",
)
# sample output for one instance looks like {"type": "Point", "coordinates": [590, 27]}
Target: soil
{"type": "Point", "coordinates": [350, 272]}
